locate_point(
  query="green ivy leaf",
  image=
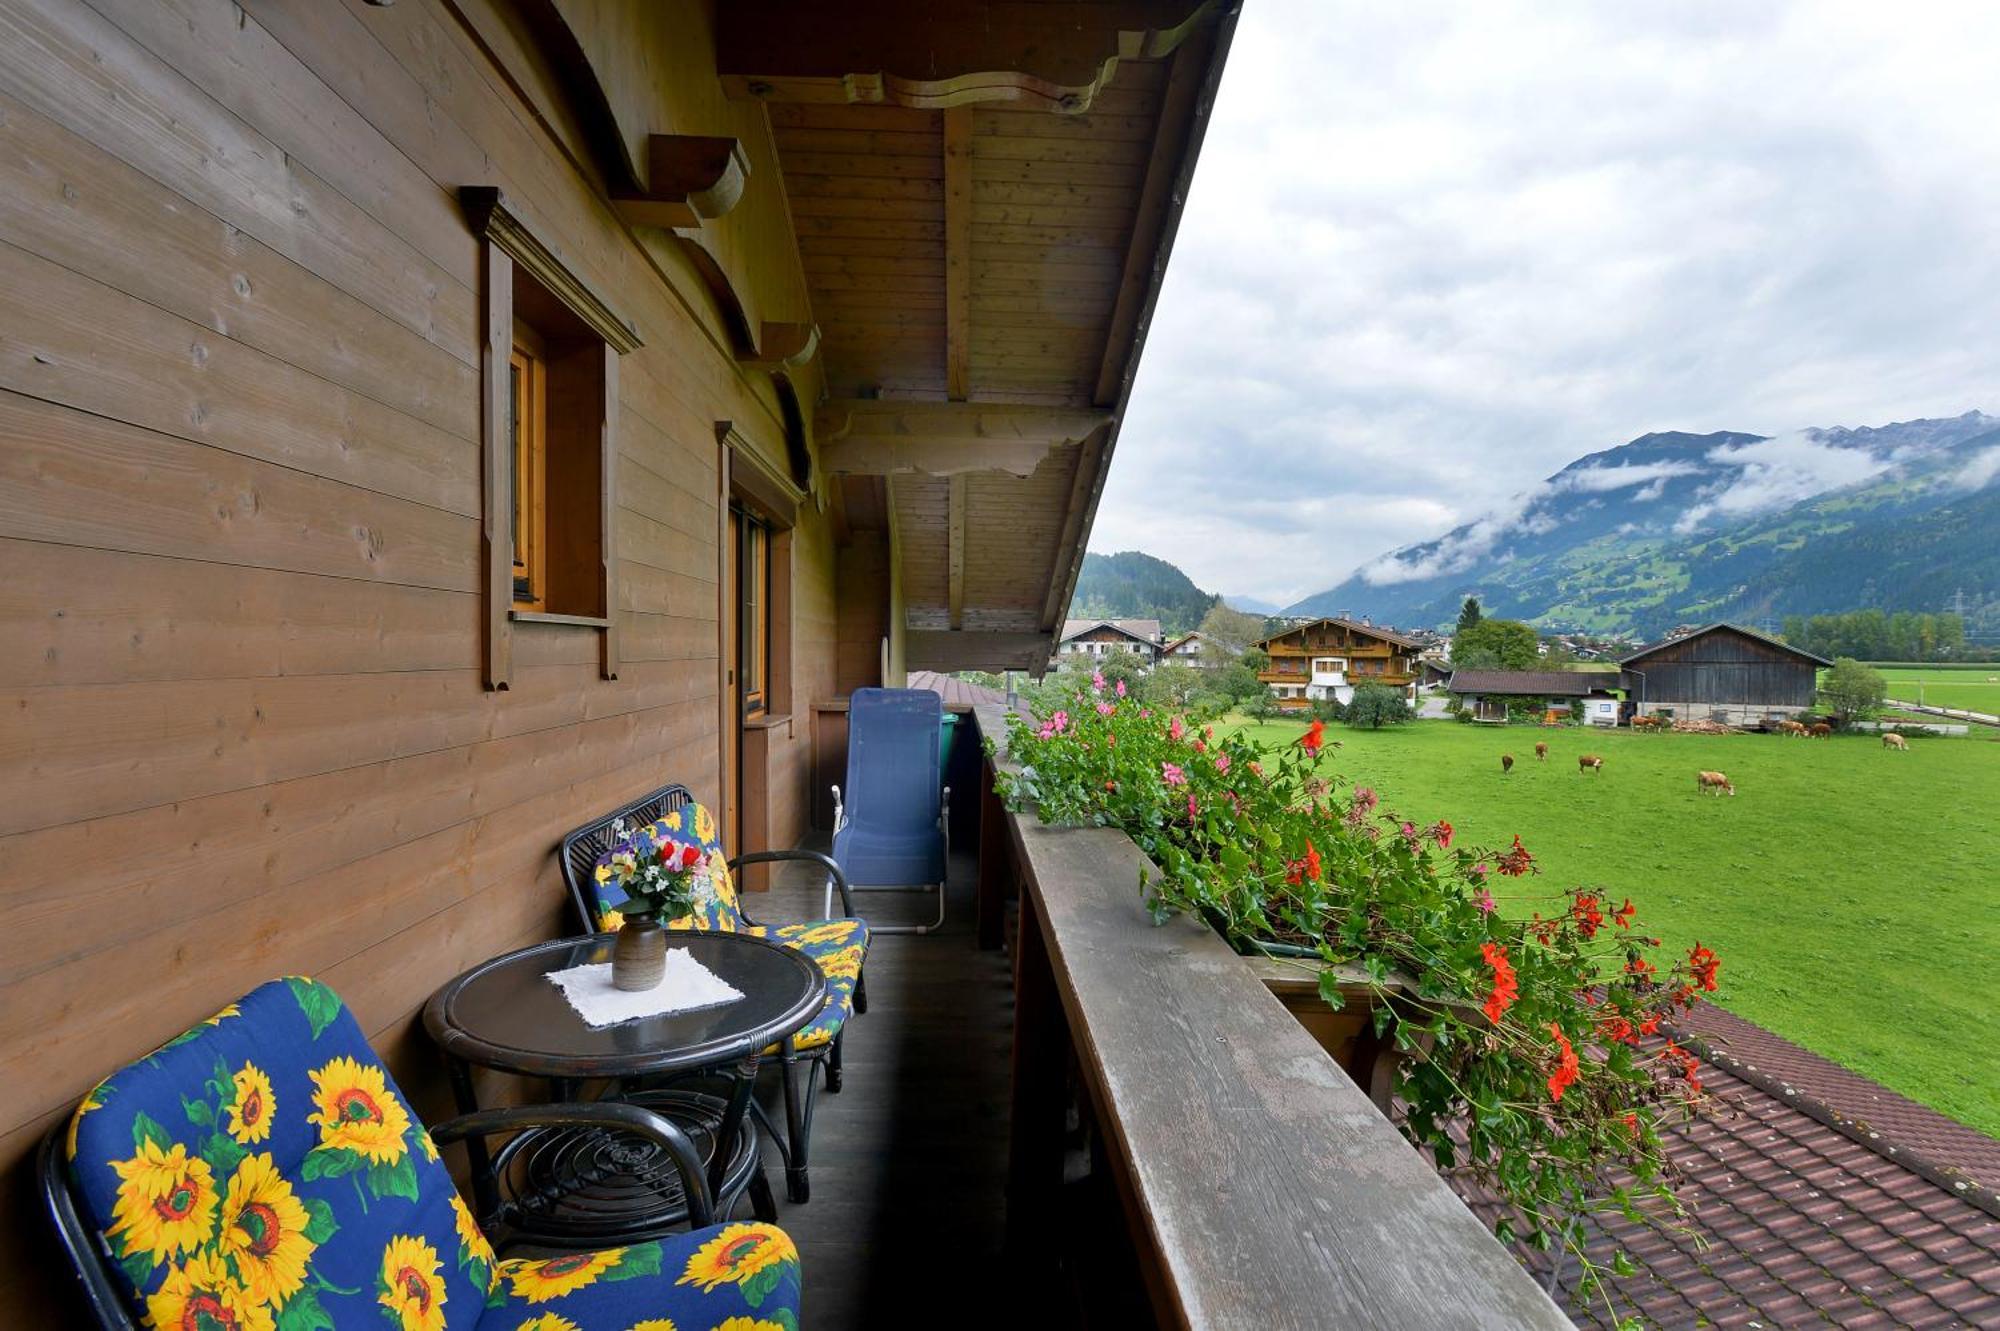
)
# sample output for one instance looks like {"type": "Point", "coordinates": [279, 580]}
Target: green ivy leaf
{"type": "Point", "coordinates": [320, 1224]}
{"type": "Point", "coordinates": [320, 1004]}
{"type": "Point", "coordinates": [144, 1130]}
{"type": "Point", "coordinates": [396, 1180]}
{"type": "Point", "coordinates": [1384, 1015]}
{"type": "Point", "coordinates": [329, 1162]}
{"type": "Point", "coordinates": [1622, 1265]}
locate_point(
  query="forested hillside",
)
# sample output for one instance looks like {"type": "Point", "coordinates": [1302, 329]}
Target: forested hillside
{"type": "Point", "coordinates": [1132, 585]}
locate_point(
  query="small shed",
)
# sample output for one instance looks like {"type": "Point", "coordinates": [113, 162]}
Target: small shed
{"type": "Point", "coordinates": [1725, 673]}
{"type": "Point", "coordinates": [1488, 693]}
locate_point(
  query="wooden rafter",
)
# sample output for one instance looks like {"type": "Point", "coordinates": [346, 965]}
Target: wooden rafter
{"type": "Point", "coordinates": [958, 252]}
{"type": "Point", "coordinates": [1144, 253]}
{"type": "Point", "coordinates": [690, 178]}
{"type": "Point", "coordinates": [879, 437]}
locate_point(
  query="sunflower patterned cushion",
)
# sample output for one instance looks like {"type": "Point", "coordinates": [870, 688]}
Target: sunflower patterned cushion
{"type": "Point", "coordinates": [262, 1173]}
{"type": "Point", "coordinates": [839, 946]}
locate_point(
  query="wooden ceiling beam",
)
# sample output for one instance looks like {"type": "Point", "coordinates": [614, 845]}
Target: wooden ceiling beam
{"type": "Point", "coordinates": [877, 437]}
{"type": "Point", "coordinates": [917, 53]}
{"type": "Point", "coordinates": [958, 252]}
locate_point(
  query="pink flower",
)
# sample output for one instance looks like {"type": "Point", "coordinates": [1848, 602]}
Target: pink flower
{"type": "Point", "coordinates": [1097, 681]}
{"type": "Point", "coordinates": [1172, 775]}
{"type": "Point", "coordinates": [1480, 870]}
{"type": "Point", "coordinates": [1145, 713]}
{"type": "Point", "coordinates": [1106, 708]}
{"type": "Point", "coordinates": [1410, 837]}
{"type": "Point", "coordinates": [1222, 762]}
{"type": "Point", "coordinates": [1440, 832]}
{"type": "Point", "coordinates": [1194, 809]}
{"type": "Point", "coordinates": [1121, 688]}
{"type": "Point", "coordinates": [1485, 902]}
{"type": "Point", "coordinates": [1365, 798]}
{"type": "Point", "coordinates": [1175, 730]}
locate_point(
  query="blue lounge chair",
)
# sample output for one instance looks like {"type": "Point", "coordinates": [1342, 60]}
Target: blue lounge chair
{"type": "Point", "coordinates": [891, 824]}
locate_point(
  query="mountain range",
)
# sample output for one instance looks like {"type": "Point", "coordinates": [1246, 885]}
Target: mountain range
{"type": "Point", "coordinates": [1675, 528]}
{"type": "Point", "coordinates": [1133, 585]}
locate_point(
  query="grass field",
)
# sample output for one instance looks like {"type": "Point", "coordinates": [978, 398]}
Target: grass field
{"type": "Point", "coordinates": [1976, 690]}
{"type": "Point", "coordinates": [1851, 892]}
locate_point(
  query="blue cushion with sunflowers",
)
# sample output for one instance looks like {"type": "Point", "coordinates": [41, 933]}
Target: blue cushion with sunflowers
{"type": "Point", "coordinates": [262, 1173]}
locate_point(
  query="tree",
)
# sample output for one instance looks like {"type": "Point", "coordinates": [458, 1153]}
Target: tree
{"type": "Point", "coordinates": [1228, 633]}
{"type": "Point", "coordinates": [1852, 691]}
{"type": "Point", "coordinates": [1513, 645]}
{"type": "Point", "coordinates": [1468, 614]}
{"type": "Point", "coordinates": [1171, 684]}
{"type": "Point", "coordinates": [1376, 705]}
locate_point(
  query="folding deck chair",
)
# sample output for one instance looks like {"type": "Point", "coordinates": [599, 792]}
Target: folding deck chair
{"type": "Point", "coordinates": [892, 823]}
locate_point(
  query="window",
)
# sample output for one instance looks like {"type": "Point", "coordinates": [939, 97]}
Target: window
{"type": "Point", "coordinates": [549, 388]}
{"type": "Point", "coordinates": [528, 432]}
{"type": "Point", "coordinates": [753, 613]}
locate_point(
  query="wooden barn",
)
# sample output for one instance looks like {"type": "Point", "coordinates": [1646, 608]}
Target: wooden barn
{"type": "Point", "coordinates": [1723, 672]}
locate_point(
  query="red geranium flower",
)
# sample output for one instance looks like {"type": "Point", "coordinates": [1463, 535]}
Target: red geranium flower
{"type": "Point", "coordinates": [1566, 1066]}
{"type": "Point", "coordinates": [1312, 862]}
{"type": "Point", "coordinates": [1505, 987]}
{"type": "Point", "coordinates": [1314, 737]}
{"type": "Point", "coordinates": [1516, 861]}
{"type": "Point", "coordinates": [1624, 914]}
{"type": "Point", "coordinates": [1587, 913]}
{"type": "Point", "coordinates": [1704, 965]}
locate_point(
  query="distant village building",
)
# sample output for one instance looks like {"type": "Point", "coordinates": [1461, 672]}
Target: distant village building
{"type": "Point", "coordinates": [1488, 694]}
{"type": "Point", "coordinates": [1188, 650]}
{"type": "Point", "coordinates": [1722, 672]}
{"type": "Point", "coordinates": [1324, 659]}
{"type": "Point", "coordinates": [1098, 638]}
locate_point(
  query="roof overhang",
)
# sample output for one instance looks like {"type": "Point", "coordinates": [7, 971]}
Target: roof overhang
{"type": "Point", "coordinates": [984, 198]}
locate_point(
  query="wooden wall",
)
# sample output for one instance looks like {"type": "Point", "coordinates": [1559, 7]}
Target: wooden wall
{"type": "Point", "coordinates": [239, 487]}
{"type": "Point", "coordinates": [1720, 668]}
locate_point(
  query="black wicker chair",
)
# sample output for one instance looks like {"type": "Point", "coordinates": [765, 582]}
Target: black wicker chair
{"type": "Point", "coordinates": [799, 1068]}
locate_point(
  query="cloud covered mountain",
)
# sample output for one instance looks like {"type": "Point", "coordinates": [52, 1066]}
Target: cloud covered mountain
{"type": "Point", "coordinates": [1676, 527]}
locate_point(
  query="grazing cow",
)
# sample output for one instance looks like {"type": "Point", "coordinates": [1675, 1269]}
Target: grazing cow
{"type": "Point", "coordinates": [1821, 730]}
{"type": "Point", "coordinates": [1506, 763]}
{"type": "Point", "coordinates": [1791, 730]}
{"type": "Point", "coordinates": [1589, 762]}
{"type": "Point", "coordinates": [1541, 753]}
{"type": "Point", "coordinates": [1893, 741]}
{"type": "Point", "coordinates": [1715, 782]}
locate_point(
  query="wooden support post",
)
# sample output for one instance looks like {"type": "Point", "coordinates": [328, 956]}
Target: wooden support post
{"type": "Point", "coordinates": [958, 251]}
{"type": "Point", "coordinates": [1035, 1125]}
{"type": "Point", "coordinates": [497, 443]}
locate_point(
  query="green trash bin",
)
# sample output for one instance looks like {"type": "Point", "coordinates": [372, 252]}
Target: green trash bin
{"type": "Point", "coordinates": [945, 737]}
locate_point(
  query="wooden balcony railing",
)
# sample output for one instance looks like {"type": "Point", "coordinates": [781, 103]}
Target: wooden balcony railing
{"type": "Point", "coordinates": [1260, 1187]}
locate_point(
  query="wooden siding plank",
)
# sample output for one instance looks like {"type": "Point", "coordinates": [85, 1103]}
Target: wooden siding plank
{"type": "Point", "coordinates": [74, 205]}
{"type": "Point", "coordinates": [959, 273]}
{"type": "Point", "coordinates": [67, 339]}
{"type": "Point", "coordinates": [90, 77]}
{"type": "Point", "coordinates": [77, 479]}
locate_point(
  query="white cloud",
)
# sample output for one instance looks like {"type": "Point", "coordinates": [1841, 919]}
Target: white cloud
{"type": "Point", "coordinates": [1652, 475]}
{"type": "Point", "coordinates": [1981, 470]}
{"type": "Point", "coordinates": [1772, 473]}
{"type": "Point", "coordinates": [1434, 253]}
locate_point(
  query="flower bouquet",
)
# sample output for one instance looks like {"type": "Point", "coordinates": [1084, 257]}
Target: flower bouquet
{"type": "Point", "coordinates": [659, 876]}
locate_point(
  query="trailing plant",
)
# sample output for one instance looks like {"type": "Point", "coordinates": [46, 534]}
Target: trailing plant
{"type": "Point", "coordinates": [1532, 1022]}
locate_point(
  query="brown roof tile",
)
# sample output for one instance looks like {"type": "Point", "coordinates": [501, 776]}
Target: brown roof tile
{"type": "Point", "coordinates": [1803, 1212]}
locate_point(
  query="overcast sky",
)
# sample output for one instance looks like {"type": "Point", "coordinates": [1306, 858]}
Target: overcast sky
{"type": "Point", "coordinates": [1436, 251]}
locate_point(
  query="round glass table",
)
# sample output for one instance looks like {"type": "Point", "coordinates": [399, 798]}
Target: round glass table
{"type": "Point", "coordinates": [596, 1187]}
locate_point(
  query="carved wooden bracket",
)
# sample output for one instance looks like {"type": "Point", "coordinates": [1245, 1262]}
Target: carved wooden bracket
{"type": "Point", "coordinates": [859, 437]}
{"type": "Point", "coordinates": [690, 178]}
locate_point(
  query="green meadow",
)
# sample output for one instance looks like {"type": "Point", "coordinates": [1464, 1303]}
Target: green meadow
{"type": "Point", "coordinates": [1853, 893]}
{"type": "Point", "coordinates": [1974, 690]}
